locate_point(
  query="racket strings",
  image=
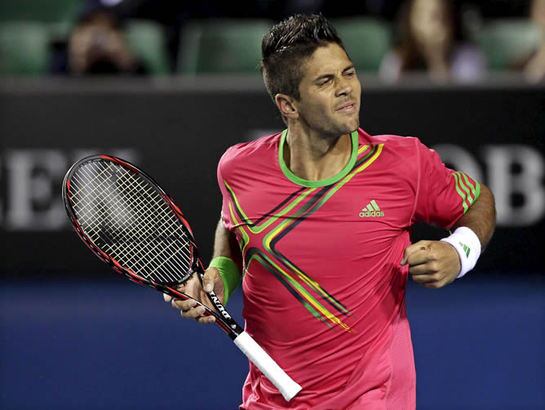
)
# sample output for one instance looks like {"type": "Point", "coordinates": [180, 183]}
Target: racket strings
{"type": "Point", "coordinates": [156, 248]}
{"type": "Point", "coordinates": [165, 231]}
{"type": "Point", "coordinates": [128, 219]}
{"type": "Point", "coordinates": [150, 254]}
{"type": "Point", "coordinates": [120, 246]}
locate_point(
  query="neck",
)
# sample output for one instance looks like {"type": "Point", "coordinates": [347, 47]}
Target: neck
{"type": "Point", "coordinates": [314, 157]}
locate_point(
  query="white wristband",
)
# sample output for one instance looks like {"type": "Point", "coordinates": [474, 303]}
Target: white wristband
{"type": "Point", "coordinates": [468, 246]}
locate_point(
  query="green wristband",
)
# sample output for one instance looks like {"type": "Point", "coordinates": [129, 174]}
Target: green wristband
{"type": "Point", "coordinates": [229, 273]}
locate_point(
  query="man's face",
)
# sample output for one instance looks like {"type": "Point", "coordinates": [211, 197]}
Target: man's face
{"type": "Point", "coordinates": [329, 102]}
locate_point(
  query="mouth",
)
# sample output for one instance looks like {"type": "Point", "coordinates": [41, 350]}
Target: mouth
{"type": "Point", "coordinates": [348, 107]}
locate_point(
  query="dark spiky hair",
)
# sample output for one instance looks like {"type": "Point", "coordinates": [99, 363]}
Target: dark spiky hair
{"type": "Point", "coordinates": [286, 47]}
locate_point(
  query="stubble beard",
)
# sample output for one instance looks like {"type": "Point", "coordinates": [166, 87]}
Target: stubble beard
{"type": "Point", "coordinates": [331, 128]}
{"type": "Point", "coordinates": [345, 128]}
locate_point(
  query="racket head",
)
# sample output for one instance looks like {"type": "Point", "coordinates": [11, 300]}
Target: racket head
{"type": "Point", "coordinates": [127, 220]}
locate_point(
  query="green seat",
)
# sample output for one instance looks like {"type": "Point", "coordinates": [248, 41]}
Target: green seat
{"type": "Point", "coordinates": [38, 10]}
{"type": "Point", "coordinates": [222, 46]}
{"type": "Point", "coordinates": [24, 48]}
{"type": "Point", "coordinates": [507, 42]}
{"type": "Point", "coordinates": [366, 40]}
{"type": "Point", "coordinates": [147, 41]}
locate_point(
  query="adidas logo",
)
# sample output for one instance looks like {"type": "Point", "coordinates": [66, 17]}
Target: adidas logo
{"type": "Point", "coordinates": [466, 248]}
{"type": "Point", "coordinates": [372, 210]}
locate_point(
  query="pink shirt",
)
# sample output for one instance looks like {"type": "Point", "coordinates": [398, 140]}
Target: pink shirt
{"type": "Point", "coordinates": [324, 291]}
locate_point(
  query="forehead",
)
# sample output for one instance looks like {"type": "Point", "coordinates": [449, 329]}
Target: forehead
{"type": "Point", "coordinates": [328, 58]}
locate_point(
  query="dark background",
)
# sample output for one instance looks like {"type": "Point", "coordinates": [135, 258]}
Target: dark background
{"type": "Point", "coordinates": [74, 336]}
{"type": "Point", "coordinates": [178, 132]}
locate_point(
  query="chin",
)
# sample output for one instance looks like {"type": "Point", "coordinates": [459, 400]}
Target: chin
{"type": "Point", "coordinates": [339, 128]}
{"type": "Point", "coordinates": [352, 126]}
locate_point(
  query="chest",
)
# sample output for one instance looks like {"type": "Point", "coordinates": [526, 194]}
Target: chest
{"type": "Point", "coordinates": [363, 212]}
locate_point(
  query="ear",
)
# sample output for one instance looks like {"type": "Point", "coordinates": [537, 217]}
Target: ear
{"type": "Point", "coordinates": [286, 106]}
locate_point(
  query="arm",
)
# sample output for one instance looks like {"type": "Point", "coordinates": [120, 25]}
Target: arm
{"type": "Point", "coordinates": [225, 244]}
{"type": "Point", "coordinates": [435, 264]}
{"type": "Point", "coordinates": [481, 217]}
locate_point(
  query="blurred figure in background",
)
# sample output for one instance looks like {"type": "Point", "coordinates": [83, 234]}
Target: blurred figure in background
{"type": "Point", "coordinates": [96, 46]}
{"type": "Point", "coordinates": [534, 67]}
{"type": "Point", "coordinates": [430, 39]}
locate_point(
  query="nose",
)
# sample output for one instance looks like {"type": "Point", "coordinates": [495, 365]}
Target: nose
{"type": "Point", "coordinates": [344, 87]}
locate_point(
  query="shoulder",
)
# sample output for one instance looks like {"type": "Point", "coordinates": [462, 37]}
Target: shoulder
{"type": "Point", "coordinates": [468, 51]}
{"type": "Point", "coordinates": [468, 63]}
{"type": "Point", "coordinates": [249, 152]}
{"type": "Point", "coordinates": [390, 66]}
{"type": "Point", "coordinates": [392, 142]}
{"type": "Point", "coordinates": [399, 154]}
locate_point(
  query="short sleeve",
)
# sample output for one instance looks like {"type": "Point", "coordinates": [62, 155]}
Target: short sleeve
{"type": "Point", "coordinates": [443, 194]}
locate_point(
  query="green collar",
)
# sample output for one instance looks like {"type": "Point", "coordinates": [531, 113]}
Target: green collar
{"type": "Point", "coordinates": [323, 182]}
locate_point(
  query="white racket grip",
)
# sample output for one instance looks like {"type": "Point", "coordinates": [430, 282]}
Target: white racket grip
{"type": "Point", "coordinates": [267, 365]}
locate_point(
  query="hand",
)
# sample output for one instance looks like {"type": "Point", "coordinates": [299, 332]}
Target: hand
{"type": "Point", "coordinates": [193, 309]}
{"type": "Point", "coordinates": [433, 264]}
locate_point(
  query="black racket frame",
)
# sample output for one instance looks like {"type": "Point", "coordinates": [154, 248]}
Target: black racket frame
{"type": "Point", "coordinates": [223, 319]}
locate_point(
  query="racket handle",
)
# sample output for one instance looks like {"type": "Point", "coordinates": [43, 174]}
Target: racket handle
{"type": "Point", "coordinates": [284, 383]}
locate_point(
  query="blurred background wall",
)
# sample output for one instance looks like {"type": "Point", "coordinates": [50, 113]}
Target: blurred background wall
{"type": "Point", "coordinates": [170, 85]}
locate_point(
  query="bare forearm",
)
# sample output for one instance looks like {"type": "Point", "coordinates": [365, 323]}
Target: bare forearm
{"type": "Point", "coordinates": [225, 244]}
{"type": "Point", "coordinates": [481, 217]}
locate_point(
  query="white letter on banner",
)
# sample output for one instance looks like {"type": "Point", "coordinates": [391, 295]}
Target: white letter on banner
{"type": "Point", "coordinates": [528, 183]}
{"type": "Point", "coordinates": [459, 159]}
{"type": "Point", "coordinates": [33, 189]}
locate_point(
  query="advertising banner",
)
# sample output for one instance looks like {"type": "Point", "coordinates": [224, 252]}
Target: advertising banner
{"type": "Point", "coordinates": [178, 135]}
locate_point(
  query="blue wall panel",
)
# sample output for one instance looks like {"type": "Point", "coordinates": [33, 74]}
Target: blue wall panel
{"type": "Point", "coordinates": [113, 345]}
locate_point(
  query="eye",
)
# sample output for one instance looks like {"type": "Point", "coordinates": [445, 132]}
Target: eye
{"type": "Point", "coordinates": [324, 81]}
{"type": "Point", "coordinates": [350, 72]}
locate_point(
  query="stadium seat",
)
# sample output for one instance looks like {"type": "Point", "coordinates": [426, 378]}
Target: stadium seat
{"type": "Point", "coordinates": [38, 10]}
{"type": "Point", "coordinates": [147, 41]}
{"type": "Point", "coordinates": [507, 42]}
{"type": "Point", "coordinates": [221, 46]}
{"type": "Point", "coordinates": [24, 48]}
{"type": "Point", "coordinates": [367, 40]}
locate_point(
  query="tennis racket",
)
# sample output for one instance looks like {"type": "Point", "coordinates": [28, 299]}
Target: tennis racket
{"type": "Point", "coordinates": [130, 223]}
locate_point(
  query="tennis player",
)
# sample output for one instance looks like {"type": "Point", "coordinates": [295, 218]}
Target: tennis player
{"type": "Point", "coordinates": [317, 218]}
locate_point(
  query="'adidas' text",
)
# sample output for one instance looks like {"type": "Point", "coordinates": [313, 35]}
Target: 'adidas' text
{"type": "Point", "coordinates": [370, 214]}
